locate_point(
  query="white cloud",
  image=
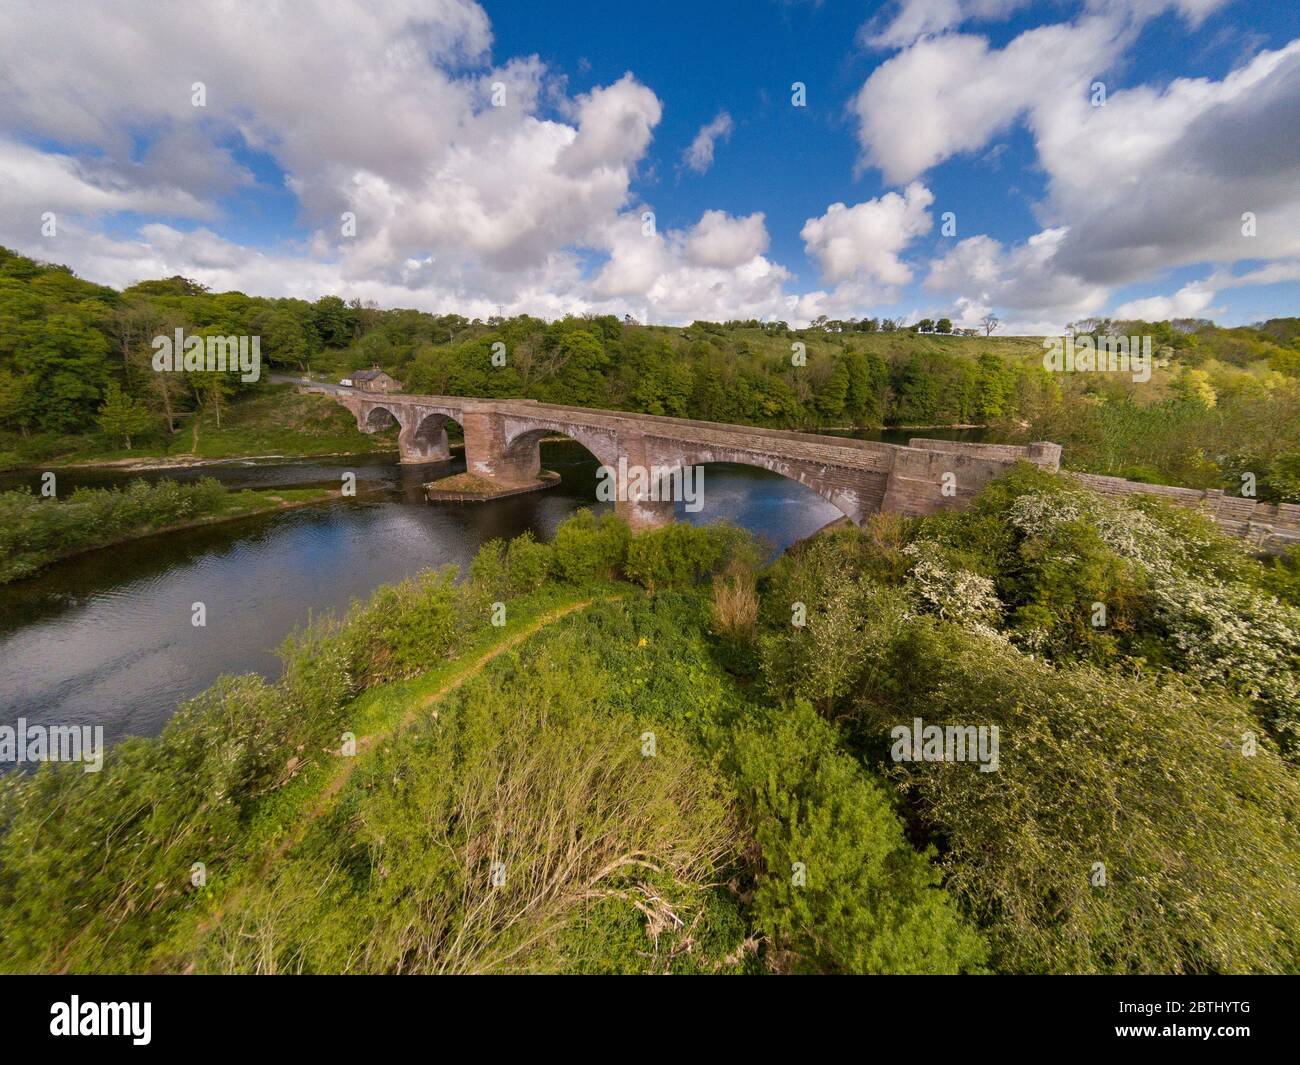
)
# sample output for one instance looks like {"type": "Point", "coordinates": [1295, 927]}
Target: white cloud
{"type": "Point", "coordinates": [864, 241]}
{"type": "Point", "coordinates": [1021, 279]}
{"type": "Point", "coordinates": [951, 94]}
{"type": "Point", "coordinates": [714, 270]}
{"type": "Point", "coordinates": [1187, 162]}
{"type": "Point", "coordinates": [720, 240]}
{"type": "Point", "coordinates": [909, 20]}
{"type": "Point", "coordinates": [1155, 179]}
{"type": "Point", "coordinates": [390, 115]}
{"type": "Point", "coordinates": [699, 156]}
{"type": "Point", "coordinates": [1195, 299]}
{"type": "Point", "coordinates": [1190, 301]}
{"type": "Point", "coordinates": [912, 19]}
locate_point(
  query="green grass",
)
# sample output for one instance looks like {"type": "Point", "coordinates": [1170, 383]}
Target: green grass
{"type": "Point", "coordinates": [280, 820]}
{"type": "Point", "coordinates": [277, 421]}
{"type": "Point", "coordinates": [35, 533]}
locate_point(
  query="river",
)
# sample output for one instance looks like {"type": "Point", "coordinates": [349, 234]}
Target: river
{"type": "Point", "coordinates": [106, 638]}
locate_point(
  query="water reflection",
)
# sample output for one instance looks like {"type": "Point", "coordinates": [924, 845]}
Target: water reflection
{"type": "Point", "coordinates": [106, 639]}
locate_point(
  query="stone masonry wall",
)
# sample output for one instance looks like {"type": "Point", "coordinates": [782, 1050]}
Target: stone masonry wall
{"type": "Point", "coordinates": [859, 476]}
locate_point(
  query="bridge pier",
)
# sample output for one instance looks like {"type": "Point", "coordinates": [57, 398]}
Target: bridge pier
{"type": "Point", "coordinates": [632, 502]}
{"type": "Point", "coordinates": [489, 455]}
{"type": "Point", "coordinates": [425, 442]}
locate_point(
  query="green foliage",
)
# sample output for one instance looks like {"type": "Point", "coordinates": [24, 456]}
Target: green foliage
{"type": "Point", "coordinates": [500, 570]}
{"type": "Point", "coordinates": [1148, 777]}
{"type": "Point", "coordinates": [406, 627]}
{"type": "Point", "coordinates": [838, 887]}
{"type": "Point", "coordinates": [679, 555]}
{"type": "Point", "coordinates": [1154, 766]}
{"type": "Point", "coordinates": [590, 548]}
{"type": "Point", "coordinates": [34, 531]}
{"type": "Point", "coordinates": [1281, 577]}
{"type": "Point", "coordinates": [122, 416]}
{"type": "Point", "coordinates": [528, 563]}
{"type": "Point", "coordinates": [496, 838]}
{"type": "Point", "coordinates": [97, 886]}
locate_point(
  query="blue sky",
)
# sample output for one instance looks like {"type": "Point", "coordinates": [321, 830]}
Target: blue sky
{"type": "Point", "coordinates": [977, 107]}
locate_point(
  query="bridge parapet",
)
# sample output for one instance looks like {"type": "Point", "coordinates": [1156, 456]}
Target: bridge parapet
{"type": "Point", "coordinates": [1041, 453]}
{"type": "Point", "coordinates": [860, 477]}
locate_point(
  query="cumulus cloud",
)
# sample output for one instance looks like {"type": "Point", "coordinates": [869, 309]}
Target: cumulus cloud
{"type": "Point", "coordinates": [1189, 161]}
{"type": "Point", "coordinates": [720, 240]}
{"type": "Point", "coordinates": [1190, 301]}
{"type": "Point", "coordinates": [473, 185]}
{"type": "Point", "coordinates": [864, 241]}
{"type": "Point", "coordinates": [951, 94]}
{"type": "Point", "coordinates": [1158, 177]}
{"type": "Point", "coordinates": [980, 272]}
{"type": "Point", "coordinates": [1195, 299]}
{"type": "Point", "coordinates": [699, 156]}
{"type": "Point", "coordinates": [715, 269]}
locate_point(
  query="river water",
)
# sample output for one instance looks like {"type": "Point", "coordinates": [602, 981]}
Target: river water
{"type": "Point", "coordinates": [106, 638]}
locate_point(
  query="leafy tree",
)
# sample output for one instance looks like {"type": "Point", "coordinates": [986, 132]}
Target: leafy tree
{"type": "Point", "coordinates": [123, 416]}
{"type": "Point", "coordinates": [838, 888]}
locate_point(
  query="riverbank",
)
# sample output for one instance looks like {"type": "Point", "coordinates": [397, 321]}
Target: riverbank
{"type": "Point", "coordinates": [280, 423]}
{"type": "Point", "coordinates": [36, 533]}
{"type": "Point", "coordinates": [152, 464]}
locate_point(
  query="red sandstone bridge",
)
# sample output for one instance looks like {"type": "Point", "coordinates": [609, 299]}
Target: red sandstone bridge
{"type": "Point", "coordinates": [859, 477]}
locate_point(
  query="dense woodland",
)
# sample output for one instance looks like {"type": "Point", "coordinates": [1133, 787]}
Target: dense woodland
{"type": "Point", "coordinates": [76, 379]}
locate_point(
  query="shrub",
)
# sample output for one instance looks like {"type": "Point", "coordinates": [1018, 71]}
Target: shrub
{"type": "Point", "coordinates": [679, 555]}
{"type": "Point", "coordinates": [488, 575]}
{"type": "Point", "coordinates": [937, 587]}
{"type": "Point", "coordinates": [1280, 576]}
{"type": "Point", "coordinates": [406, 627]}
{"type": "Point", "coordinates": [34, 532]}
{"type": "Point", "coordinates": [527, 563]}
{"type": "Point", "coordinates": [1148, 777]}
{"type": "Point", "coordinates": [590, 548]}
{"type": "Point", "coordinates": [501, 570]}
{"type": "Point", "coordinates": [867, 903]}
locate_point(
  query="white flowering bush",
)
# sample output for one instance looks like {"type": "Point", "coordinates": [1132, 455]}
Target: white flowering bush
{"type": "Point", "coordinates": [936, 587]}
{"type": "Point", "coordinates": [1238, 637]}
{"type": "Point", "coordinates": [1215, 627]}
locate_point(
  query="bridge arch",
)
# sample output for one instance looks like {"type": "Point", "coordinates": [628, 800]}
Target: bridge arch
{"type": "Point", "coordinates": [848, 501]}
{"type": "Point", "coordinates": [424, 437]}
{"type": "Point", "coordinates": [379, 418]}
{"type": "Point", "coordinates": [521, 452]}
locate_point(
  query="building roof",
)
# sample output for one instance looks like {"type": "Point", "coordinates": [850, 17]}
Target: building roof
{"type": "Point", "coordinates": [368, 375]}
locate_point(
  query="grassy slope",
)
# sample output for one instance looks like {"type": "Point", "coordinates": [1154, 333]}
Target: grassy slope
{"type": "Point", "coordinates": [276, 832]}
{"type": "Point", "coordinates": [276, 422]}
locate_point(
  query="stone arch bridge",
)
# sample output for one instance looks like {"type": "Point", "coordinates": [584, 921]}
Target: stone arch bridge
{"type": "Point", "coordinates": [859, 477]}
